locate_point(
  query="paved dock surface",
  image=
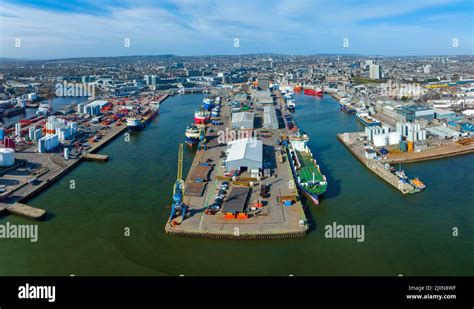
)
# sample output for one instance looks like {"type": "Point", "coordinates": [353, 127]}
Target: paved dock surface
{"type": "Point", "coordinates": [42, 169]}
{"type": "Point", "coordinates": [351, 141]}
{"type": "Point", "coordinates": [274, 221]}
{"type": "Point", "coordinates": [27, 211]}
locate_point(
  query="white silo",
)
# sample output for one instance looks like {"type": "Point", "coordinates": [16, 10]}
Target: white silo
{"type": "Point", "coordinates": [380, 140]}
{"type": "Point", "coordinates": [394, 138]}
{"type": "Point", "coordinates": [7, 157]}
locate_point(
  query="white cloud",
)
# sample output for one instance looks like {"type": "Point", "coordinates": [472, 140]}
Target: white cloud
{"type": "Point", "coordinates": [208, 27]}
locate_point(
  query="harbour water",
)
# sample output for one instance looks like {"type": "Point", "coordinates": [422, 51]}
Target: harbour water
{"type": "Point", "coordinates": [94, 206]}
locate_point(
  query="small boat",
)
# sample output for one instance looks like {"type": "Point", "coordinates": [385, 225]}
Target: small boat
{"type": "Point", "coordinates": [416, 182]}
{"type": "Point", "coordinates": [401, 175]}
{"type": "Point", "coordinates": [291, 104]}
{"type": "Point", "coordinates": [390, 168]}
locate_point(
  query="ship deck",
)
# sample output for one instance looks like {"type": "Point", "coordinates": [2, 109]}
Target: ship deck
{"type": "Point", "coordinates": [308, 167]}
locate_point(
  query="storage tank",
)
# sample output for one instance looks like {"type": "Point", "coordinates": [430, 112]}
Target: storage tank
{"type": "Point", "coordinates": [380, 140]}
{"type": "Point", "coordinates": [394, 138]}
{"type": "Point", "coordinates": [403, 145]}
{"type": "Point", "coordinates": [7, 157]}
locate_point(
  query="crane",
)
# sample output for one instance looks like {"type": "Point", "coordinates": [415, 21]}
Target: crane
{"type": "Point", "coordinates": [202, 138]}
{"type": "Point", "coordinates": [178, 189]}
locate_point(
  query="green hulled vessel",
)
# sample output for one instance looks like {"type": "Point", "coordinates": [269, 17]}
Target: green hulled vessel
{"type": "Point", "coordinates": [309, 178]}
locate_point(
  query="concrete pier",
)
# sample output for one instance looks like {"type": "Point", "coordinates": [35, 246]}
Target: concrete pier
{"type": "Point", "coordinates": [353, 144]}
{"type": "Point", "coordinates": [26, 211]}
{"type": "Point", "coordinates": [274, 220]}
{"type": "Point", "coordinates": [23, 185]}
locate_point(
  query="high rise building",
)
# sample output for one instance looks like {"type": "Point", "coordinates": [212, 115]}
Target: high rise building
{"type": "Point", "coordinates": [263, 83]}
{"type": "Point", "coordinates": [375, 71]}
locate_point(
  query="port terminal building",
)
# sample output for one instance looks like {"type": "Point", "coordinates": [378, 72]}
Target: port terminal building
{"type": "Point", "coordinates": [244, 154]}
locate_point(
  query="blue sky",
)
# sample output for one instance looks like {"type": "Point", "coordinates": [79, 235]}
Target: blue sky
{"type": "Point", "coordinates": [82, 28]}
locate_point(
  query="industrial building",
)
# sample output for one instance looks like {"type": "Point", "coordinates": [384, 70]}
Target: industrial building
{"type": "Point", "coordinates": [241, 97]}
{"type": "Point", "coordinates": [411, 131]}
{"type": "Point", "coordinates": [443, 132]}
{"type": "Point", "coordinates": [263, 97]}
{"type": "Point", "coordinates": [243, 120]}
{"type": "Point", "coordinates": [263, 83]}
{"type": "Point", "coordinates": [381, 136]}
{"type": "Point", "coordinates": [270, 120]}
{"type": "Point", "coordinates": [244, 154]}
{"type": "Point", "coordinates": [48, 143]}
{"type": "Point", "coordinates": [94, 107]}
{"type": "Point", "coordinates": [444, 114]}
{"type": "Point", "coordinates": [416, 112]}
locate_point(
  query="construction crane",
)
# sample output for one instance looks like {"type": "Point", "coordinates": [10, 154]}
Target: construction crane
{"type": "Point", "coordinates": [178, 189]}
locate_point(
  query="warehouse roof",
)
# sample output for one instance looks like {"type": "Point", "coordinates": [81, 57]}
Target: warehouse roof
{"type": "Point", "coordinates": [243, 117]}
{"type": "Point", "coordinates": [246, 148]}
{"type": "Point", "coordinates": [235, 202]}
{"type": "Point", "coordinates": [443, 131]}
{"type": "Point", "coordinates": [97, 102]}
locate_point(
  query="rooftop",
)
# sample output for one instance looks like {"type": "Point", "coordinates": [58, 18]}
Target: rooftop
{"type": "Point", "coordinates": [246, 148]}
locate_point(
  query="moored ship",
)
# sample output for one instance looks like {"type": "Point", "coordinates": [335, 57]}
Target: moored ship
{"type": "Point", "coordinates": [192, 135]}
{"type": "Point", "coordinates": [367, 120]}
{"type": "Point", "coordinates": [309, 177]}
{"type": "Point", "coordinates": [346, 107]}
{"type": "Point", "coordinates": [201, 117]}
{"type": "Point", "coordinates": [313, 91]}
{"type": "Point", "coordinates": [208, 104]}
{"type": "Point", "coordinates": [417, 183]}
{"type": "Point", "coordinates": [138, 122]}
{"type": "Point", "coordinates": [13, 111]}
{"type": "Point", "coordinates": [44, 109]}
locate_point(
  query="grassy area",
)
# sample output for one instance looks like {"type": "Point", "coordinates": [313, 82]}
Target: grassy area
{"type": "Point", "coordinates": [364, 80]}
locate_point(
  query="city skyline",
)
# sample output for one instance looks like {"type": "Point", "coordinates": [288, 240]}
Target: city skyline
{"type": "Point", "coordinates": [49, 30]}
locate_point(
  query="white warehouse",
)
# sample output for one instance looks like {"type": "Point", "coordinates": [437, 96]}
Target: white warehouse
{"type": "Point", "coordinates": [244, 154]}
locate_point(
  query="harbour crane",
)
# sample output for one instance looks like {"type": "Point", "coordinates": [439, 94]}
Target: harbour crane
{"type": "Point", "coordinates": [202, 138]}
{"type": "Point", "coordinates": [178, 189]}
